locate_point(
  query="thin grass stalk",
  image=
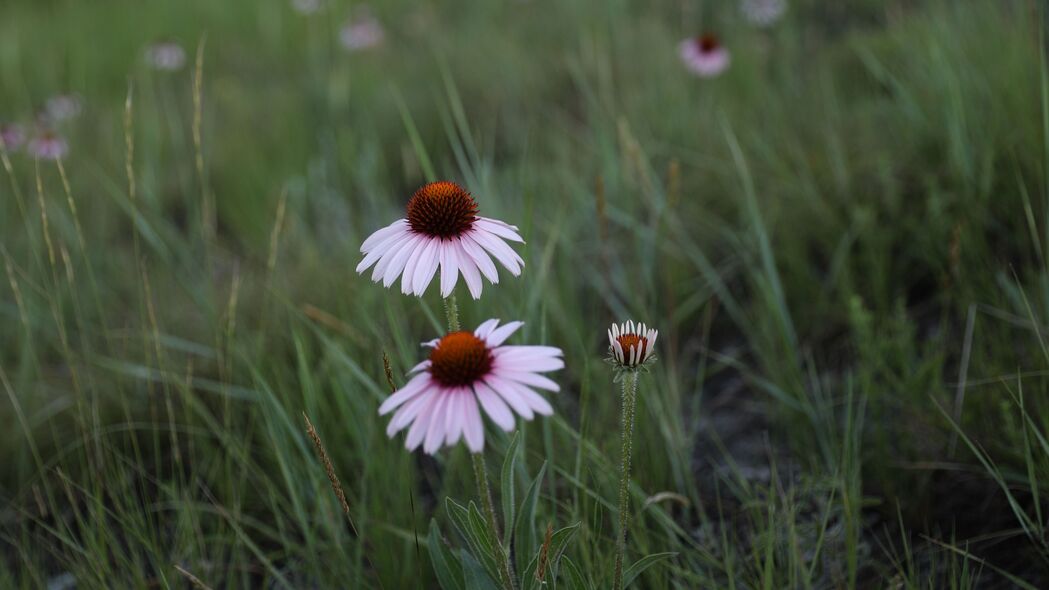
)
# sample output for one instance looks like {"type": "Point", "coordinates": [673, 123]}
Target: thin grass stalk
{"type": "Point", "coordinates": [629, 382]}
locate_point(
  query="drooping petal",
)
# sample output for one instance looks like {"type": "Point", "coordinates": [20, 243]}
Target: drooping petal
{"type": "Point", "coordinates": [412, 263]}
{"type": "Point", "coordinates": [413, 388]}
{"type": "Point", "coordinates": [473, 427]}
{"type": "Point", "coordinates": [508, 392]}
{"type": "Point", "coordinates": [494, 406]}
{"type": "Point", "coordinates": [469, 270]}
{"type": "Point", "coordinates": [406, 414]}
{"type": "Point", "coordinates": [381, 248]}
{"type": "Point", "coordinates": [398, 261]}
{"type": "Point", "coordinates": [481, 258]}
{"type": "Point", "coordinates": [380, 235]}
{"type": "Point", "coordinates": [528, 378]}
{"type": "Point", "coordinates": [449, 266]}
{"type": "Point", "coordinates": [418, 430]}
{"type": "Point", "coordinates": [533, 399]}
{"type": "Point", "coordinates": [454, 418]}
{"type": "Point", "coordinates": [389, 255]}
{"type": "Point", "coordinates": [435, 431]}
{"type": "Point", "coordinates": [498, 248]}
{"type": "Point", "coordinates": [426, 268]}
{"type": "Point", "coordinates": [498, 228]}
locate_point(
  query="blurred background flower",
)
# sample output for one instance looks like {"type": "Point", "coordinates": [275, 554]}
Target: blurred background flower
{"type": "Point", "coordinates": [763, 13]}
{"type": "Point", "coordinates": [166, 56]}
{"type": "Point", "coordinates": [47, 145]}
{"type": "Point", "coordinates": [704, 55]}
{"type": "Point", "coordinates": [13, 136]}
{"type": "Point", "coordinates": [362, 32]}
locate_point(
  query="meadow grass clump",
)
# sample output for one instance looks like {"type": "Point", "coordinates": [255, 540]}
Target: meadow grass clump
{"type": "Point", "coordinates": [841, 236]}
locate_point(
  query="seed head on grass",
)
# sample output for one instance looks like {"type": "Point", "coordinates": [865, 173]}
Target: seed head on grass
{"type": "Point", "coordinates": [704, 56]}
{"type": "Point", "coordinates": [465, 369]}
{"type": "Point", "coordinates": [336, 486]}
{"type": "Point", "coordinates": [442, 229]}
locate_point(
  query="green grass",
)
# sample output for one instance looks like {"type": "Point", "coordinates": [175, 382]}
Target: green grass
{"type": "Point", "coordinates": [842, 240]}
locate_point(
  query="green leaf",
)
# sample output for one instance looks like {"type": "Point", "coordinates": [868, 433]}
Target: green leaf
{"type": "Point", "coordinates": [524, 525]}
{"type": "Point", "coordinates": [639, 566]}
{"type": "Point", "coordinates": [448, 569]}
{"type": "Point", "coordinates": [508, 485]}
{"type": "Point", "coordinates": [474, 529]}
{"type": "Point", "coordinates": [572, 578]}
{"type": "Point", "coordinates": [475, 575]}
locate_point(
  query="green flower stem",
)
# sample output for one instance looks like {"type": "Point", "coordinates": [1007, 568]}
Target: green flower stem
{"type": "Point", "coordinates": [506, 576]}
{"type": "Point", "coordinates": [629, 405]}
{"type": "Point", "coordinates": [451, 310]}
{"type": "Point", "coordinates": [484, 493]}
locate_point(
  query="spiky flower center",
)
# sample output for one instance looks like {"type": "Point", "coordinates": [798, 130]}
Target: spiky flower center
{"type": "Point", "coordinates": [460, 358]}
{"type": "Point", "coordinates": [707, 43]}
{"type": "Point", "coordinates": [442, 209]}
{"type": "Point", "coordinates": [632, 340]}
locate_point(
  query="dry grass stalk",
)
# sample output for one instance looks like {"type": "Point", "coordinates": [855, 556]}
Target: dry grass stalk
{"type": "Point", "coordinates": [336, 486]}
{"type": "Point", "coordinates": [194, 580]}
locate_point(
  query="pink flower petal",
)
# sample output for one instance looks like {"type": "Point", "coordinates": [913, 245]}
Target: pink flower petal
{"type": "Point", "coordinates": [473, 427]}
{"type": "Point", "coordinates": [499, 335]}
{"type": "Point", "coordinates": [469, 270]}
{"type": "Point", "coordinates": [481, 258]}
{"type": "Point", "coordinates": [527, 378]}
{"type": "Point", "coordinates": [494, 406]}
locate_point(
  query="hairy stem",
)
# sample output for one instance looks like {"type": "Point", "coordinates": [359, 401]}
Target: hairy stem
{"type": "Point", "coordinates": [506, 575]}
{"type": "Point", "coordinates": [451, 311]}
{"type": "Point", "coordinates": [629, 404]}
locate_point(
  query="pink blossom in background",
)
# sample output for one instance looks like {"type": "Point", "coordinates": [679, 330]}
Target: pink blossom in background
{"type": "Point", "coordinates": [362, 33]}
{"type": "Point", "coordinates": [62, 108]}
{"type": "Point", "coordinates": [47, 145]}
{"type": "Point", "coordinates": [763, 13]}
{"type": "Point", "coordinates": [12, 135]}
{"type": "Point", "coordinates": [166, 56]}
{"type": "Point", "coordinates": [704, 56]}
{"type": "Point", "coordinates": [306, 6]}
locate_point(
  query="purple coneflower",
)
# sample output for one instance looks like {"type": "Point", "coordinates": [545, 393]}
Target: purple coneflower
{"type": "Point", "coordinates": [12, 135]}
{"type": "Point", "coordinates": [442, 228]}
{"type": "Point", "coordinates": [62, 107]}
{"type": "Point", "coordinates": [47, 145]}
{"type": "Point", "coordinates": [166, 56]}
{"type": "Point", "coordinates": [704, 55]}
{"type": "Point", "coordinates": [630, 346]}
{"type": "Point", "coordinates": [763, 13]}
{"type": "Point", "coordinates": [361, 33]}
{"type": "Point", "coordinates": [467, 371]}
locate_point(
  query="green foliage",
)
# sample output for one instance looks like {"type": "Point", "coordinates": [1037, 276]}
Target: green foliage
{"type": "Point", "coordinates": [842, 241]}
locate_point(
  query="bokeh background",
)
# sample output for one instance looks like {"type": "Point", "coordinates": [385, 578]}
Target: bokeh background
{"type": "Point", "coordinates": [841, 238]}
